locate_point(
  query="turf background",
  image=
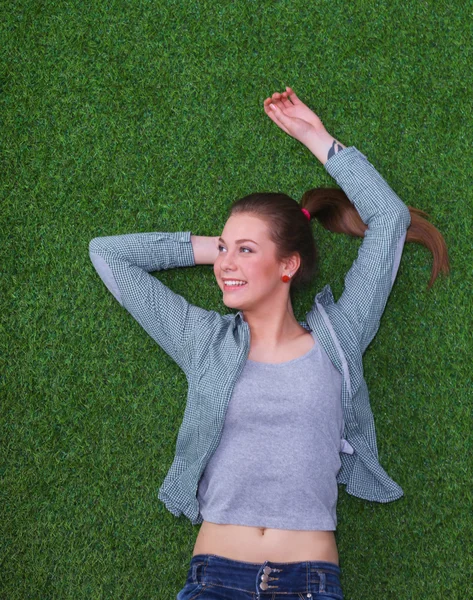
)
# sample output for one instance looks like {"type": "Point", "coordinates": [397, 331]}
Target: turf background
{"type": "Point", "coordinates": [122, 117]}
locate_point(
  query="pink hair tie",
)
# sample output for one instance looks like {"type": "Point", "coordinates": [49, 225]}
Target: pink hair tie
{"type": "Point", "coordinates": [306, 212]}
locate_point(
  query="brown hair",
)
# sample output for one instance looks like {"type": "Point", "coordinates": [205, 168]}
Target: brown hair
{"type": "Point", "coordinates": [291, 232]}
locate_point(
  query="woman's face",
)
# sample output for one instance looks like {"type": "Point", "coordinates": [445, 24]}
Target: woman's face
{"type": "Point", "coordinates": [246, 268]}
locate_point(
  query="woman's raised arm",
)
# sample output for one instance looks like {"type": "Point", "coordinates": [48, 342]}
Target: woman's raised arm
{"type": "Point", "coordinates": [124, 263]}
{"type": "Point", "coordinates": [369, 281]}
{"type": "Point", "coordinates": [205, 249]}
{"type": "Point", "coordinates": [297, 120]}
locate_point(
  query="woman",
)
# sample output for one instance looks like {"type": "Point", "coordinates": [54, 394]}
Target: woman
{"type": "Point", "coordinates": [260, 472]}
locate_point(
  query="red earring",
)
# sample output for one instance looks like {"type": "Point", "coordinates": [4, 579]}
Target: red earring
{"type": "Point", "coordinates": [285, 278]}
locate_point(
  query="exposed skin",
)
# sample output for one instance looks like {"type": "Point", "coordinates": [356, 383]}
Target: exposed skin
{"type": "Point", "coordinates": [297, 120]}
{"type": "Point", "coordinates": [264, 299]}
{"type": "Point", "coordinates": [275, 335]}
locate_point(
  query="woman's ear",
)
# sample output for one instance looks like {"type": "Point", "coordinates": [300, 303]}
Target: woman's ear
{"type": "Point", "coordinates": [292, 263]}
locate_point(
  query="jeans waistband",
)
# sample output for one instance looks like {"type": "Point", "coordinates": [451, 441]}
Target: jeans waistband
{"type": "Point", "coordinates": [307, 577]}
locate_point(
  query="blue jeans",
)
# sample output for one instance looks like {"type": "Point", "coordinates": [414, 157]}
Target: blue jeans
{"type": "Point", "coordinates": [212, 577]}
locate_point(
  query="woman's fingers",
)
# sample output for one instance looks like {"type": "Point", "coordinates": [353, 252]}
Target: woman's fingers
{"type": "Point", "coordinates": [286, 101]}
{"type": "Point", "coordinates": [292, 95]}
{"type": "Point", "coordinates": [279, 117]}
{"type": "Point", "coordinates": [281, 101]}
{"type": "Point", "coordinates": [277, 99]}
{"type": "Point", "coordinates": [272, 114]}
{"type": "Point", "coordinates": [292, 116]}
{"type": "Point", "coordinates": [266, 104]}
{"type": "Point", "coordinates": [277, 112]}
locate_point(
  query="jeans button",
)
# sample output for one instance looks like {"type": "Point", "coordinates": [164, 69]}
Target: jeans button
{"type": "Point", "coordinates": [264, 586]}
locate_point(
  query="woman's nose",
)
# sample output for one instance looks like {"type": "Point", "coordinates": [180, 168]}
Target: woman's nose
{"type": "Point", "coordinates": [228, 261]}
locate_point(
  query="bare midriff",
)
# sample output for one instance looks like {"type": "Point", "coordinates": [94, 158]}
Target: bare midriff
{"type": "Point", "coordinates": [257, 544]}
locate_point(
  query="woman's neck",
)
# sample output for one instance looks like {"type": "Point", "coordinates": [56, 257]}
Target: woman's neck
{"type": "Point", "coordinates": [273, 329]}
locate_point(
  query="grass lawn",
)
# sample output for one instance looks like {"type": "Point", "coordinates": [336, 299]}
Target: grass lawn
{"type": "Point", "coordinates": [121, 117]}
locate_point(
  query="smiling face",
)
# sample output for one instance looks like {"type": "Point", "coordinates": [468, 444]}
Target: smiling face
{"type": "Point", "coordinates": [247, 254]}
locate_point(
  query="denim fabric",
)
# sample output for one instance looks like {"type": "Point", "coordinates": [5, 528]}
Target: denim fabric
{"type": "Point", "coordinates": [212, 577]}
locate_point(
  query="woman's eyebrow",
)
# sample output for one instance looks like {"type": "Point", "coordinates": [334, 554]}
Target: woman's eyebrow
{"type": "Point", "coordinates": [238, 241]}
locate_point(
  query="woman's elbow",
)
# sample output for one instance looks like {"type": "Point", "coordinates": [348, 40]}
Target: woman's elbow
{"type": "Point", "coordinates": [405, 216]}
{"type": "Point", "coordinates": [106, 275]}
{"type": "Point", "coordinates": [95, 245]}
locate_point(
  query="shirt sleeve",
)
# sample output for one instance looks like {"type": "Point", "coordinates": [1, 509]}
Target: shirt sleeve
{"type": "Point", "coordinates": [369, 281]}
{"type": "Point", "coordinates": [124, 263]}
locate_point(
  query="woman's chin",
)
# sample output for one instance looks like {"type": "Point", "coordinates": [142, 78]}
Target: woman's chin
{"type": "Point", "coordinates": [230, 303]}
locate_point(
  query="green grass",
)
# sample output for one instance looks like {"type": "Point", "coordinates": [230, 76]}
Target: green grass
{"type": "Point", "coordinates": [122, 117]}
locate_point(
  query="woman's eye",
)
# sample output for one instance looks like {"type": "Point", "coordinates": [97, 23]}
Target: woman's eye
{"type": "Point", "coordinates": [220, 247]}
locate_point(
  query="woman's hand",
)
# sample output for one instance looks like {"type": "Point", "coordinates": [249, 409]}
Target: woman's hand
{"type": "Point", "coordinates": [300, 122]}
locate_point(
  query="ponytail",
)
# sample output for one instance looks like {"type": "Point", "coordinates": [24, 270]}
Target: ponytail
{"type": "Point", "coordinates": [335, 212]}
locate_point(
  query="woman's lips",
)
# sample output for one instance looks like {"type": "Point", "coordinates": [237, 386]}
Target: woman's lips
{"type": "Point", "coordinates": [233, 287]}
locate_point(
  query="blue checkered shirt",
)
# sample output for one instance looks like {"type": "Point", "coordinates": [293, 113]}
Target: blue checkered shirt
{"type": "Point", "coordinates": [212, 348]}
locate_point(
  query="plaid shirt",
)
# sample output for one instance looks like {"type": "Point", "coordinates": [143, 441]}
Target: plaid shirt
{"type": "Point", "coordinates": [212, 348]}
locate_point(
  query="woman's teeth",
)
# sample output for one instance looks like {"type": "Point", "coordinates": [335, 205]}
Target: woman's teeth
{"type": "Point", "coordinates": [235, 283]}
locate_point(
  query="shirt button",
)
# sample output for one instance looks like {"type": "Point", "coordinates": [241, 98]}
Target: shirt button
{"type": "Point", "coordinates": [309, 595]}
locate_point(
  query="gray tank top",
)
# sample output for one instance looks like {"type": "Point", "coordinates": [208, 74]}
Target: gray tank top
{"type": "Point", "coordinates": [278, 458]}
